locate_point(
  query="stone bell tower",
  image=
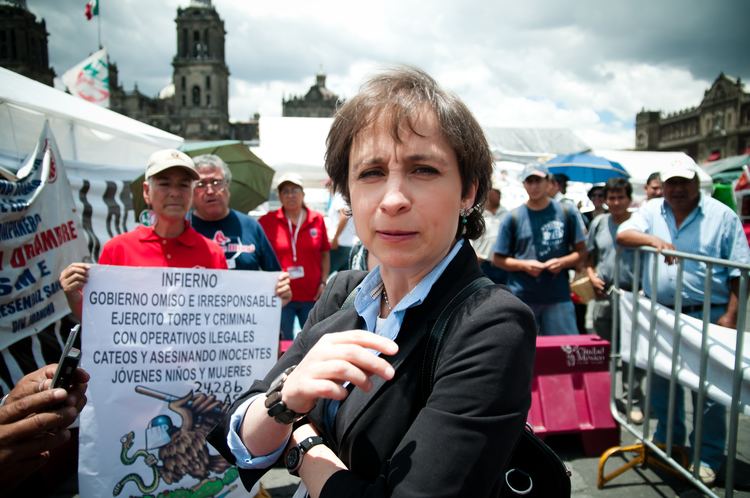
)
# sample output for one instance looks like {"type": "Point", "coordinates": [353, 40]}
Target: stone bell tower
{"type": "Point", "coordinates": [201, 76]}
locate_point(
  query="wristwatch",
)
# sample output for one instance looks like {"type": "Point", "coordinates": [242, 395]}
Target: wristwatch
{"type": "Point", "coordinates": [293, 459]}
{"type": "Point", "coordinates": [277, 409]}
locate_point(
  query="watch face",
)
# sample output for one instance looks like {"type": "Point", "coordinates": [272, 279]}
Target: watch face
{"type": "Point", "coordinates": [293, 459]}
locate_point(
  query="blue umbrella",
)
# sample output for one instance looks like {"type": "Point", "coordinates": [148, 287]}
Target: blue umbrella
{"type": "Point", "coordinates": [585, 167]}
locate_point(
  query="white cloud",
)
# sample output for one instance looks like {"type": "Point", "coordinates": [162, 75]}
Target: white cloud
{"type": "Point", "coordinates": [541, 63]}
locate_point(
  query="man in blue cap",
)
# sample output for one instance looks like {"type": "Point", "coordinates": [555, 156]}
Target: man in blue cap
{"type": "Point", "coordinates": [536, 243]}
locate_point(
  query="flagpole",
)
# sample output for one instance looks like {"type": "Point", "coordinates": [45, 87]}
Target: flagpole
{"type": "Point", "coordinates": [99, 24]}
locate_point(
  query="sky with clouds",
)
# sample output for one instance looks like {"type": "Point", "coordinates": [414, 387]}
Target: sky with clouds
{"type": "Point", "coordinates": [585, 65]}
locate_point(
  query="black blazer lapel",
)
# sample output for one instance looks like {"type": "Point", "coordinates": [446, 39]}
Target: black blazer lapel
{"type": "Point", "coordinates": [340, 321]}
{"type": "Point", "coordinates": [463, 269]}
{"type": "Point", "coordinates": [358, 399]}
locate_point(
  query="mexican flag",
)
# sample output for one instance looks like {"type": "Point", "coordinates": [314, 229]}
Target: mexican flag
{"type": "Point", "coordinates": [92, 9]}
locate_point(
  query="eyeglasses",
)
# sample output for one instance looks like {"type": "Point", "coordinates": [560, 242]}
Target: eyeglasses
{"type": "Point", "coordinates": [290, 190]}
{"type": "Point", "coordinates": [216, 184]}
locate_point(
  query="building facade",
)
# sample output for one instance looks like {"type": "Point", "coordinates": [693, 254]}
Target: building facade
{"type": "Point", "coordinates": [196, 104]}
{"type": "Point", "coordinates": [23, 42]}
{"type": "Point", "coordinates": [318, 102]}
{"type": "Point", "coordinates": [718, 127]}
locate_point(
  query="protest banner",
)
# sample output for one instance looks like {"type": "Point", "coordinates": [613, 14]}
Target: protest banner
{"type": "Point", "coordinates": [39, 236]}
{"type": "Point", "coordinates": [168, 350]}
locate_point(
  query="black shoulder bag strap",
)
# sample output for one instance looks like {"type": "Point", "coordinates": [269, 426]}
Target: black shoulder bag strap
{"type": "Point", "coordinates": [436, 334]}
{"type": "Point", "coordinates": [534, 469]}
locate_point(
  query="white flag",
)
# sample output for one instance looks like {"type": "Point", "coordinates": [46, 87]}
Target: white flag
{"type": "Point", "coordinates": [90, 79]}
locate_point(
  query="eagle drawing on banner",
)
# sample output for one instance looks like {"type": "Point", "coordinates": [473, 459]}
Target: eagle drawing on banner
{"type": "Point", "coordinates": [181, 450]}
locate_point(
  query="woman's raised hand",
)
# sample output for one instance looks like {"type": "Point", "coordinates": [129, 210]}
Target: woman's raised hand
{"type": "Point", "coordinates": [335, 359]}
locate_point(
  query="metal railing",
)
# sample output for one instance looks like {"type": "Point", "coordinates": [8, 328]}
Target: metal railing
{"type": "Point", "coordinates": [646, 448]}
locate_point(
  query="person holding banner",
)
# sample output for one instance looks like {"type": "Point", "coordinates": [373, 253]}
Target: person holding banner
{"type": "Point", "coordinates": [170, 242]}
{"type": "Point", "coordinates": [347, 403]}
{"type": "Point", "coordinates": [34, 421]}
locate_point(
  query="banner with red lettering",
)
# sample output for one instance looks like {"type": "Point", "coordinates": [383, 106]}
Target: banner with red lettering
{"type": "Point", "coordinates": [39, 236]}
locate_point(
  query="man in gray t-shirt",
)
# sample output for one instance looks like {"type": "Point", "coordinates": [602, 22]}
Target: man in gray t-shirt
{"type": "Point", "coordinates": [602, 252]}
{"type": "Point", "coordinates": [600, 266]}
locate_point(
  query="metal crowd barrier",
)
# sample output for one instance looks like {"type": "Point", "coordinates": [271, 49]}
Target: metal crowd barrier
{"type": "Point", "coordinates": [670, 456]}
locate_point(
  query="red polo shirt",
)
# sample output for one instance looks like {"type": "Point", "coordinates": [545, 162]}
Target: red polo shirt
{"type": "Point", "coordinates": [143, 247]}
{"type": "Point", "coordinates": [312, 242]}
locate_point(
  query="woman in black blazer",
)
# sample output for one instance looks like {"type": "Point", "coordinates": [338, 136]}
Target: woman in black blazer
{"type": "Point", "coordinates": [344, 406]}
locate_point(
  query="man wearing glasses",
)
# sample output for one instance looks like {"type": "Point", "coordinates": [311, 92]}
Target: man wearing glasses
{"type": "Point", "coordinates": [241, 238]}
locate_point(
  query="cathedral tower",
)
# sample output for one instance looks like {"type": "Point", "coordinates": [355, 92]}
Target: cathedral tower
{"type": "Point", "coordinates": [201, 76]}
{"type": "Point", "coordinates": [23, 42]}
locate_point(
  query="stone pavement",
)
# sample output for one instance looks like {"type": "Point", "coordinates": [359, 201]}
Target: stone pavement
{"type": "Point", "coordinates": [635, 483]}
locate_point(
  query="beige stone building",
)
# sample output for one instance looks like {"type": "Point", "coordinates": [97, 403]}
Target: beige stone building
{"type": "Point", "coordinates": [718, 127]}
{"type": "Point", "coordinates": [318, 102]}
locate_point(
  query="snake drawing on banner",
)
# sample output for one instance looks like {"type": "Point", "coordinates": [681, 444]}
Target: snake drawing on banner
{"type": "Point", "coordinates": [182, 451]}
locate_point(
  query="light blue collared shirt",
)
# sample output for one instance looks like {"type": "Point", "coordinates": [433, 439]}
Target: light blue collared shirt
{"type": "Point", "coordinates": [711, 229]}
{"type": "Point", "coordinates": [367, 305]}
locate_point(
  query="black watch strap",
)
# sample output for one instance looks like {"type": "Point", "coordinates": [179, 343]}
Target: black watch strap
{"type": "Point", "coordinates": [294, 456]}
{"type": "Point", "coordinates": [277, 409]}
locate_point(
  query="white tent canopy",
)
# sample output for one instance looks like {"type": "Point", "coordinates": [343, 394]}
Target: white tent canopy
{"type": "Point", "coordinates": [295, 145]}
{"type": "Point", "coordinates": [103, 151]}
{"type": "Point", "coordinates": [84, 132]}
{"type": "Point", "coordinates": [525, 145]}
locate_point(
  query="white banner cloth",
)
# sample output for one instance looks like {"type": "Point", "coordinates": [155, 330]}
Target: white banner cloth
{"type": "Point", "coordinates": [161, 345]}
{"type": "Point", "coordinates": [721, 344]}
{"type": "Point", "coordinates": [39, 236]}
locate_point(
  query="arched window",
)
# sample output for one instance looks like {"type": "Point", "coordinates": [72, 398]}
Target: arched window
{"type": "Point", "coordinates": [205, 42]}
{"type": "Point", "coordinates": [185, 41]}
{"type": "Point", "coordinates": [196, 44]}
{"type": "Point", "coordinates": [208, 82]}
{"type": "Point", "coordinates": [208, 100]}
{"type": "Point", "coordinates": [196, 96]}
{"type": "Point", "coordinates": [183, 85]}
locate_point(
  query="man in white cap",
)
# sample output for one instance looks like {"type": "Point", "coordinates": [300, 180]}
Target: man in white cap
{"type": "Point", "coordinates": [536, 243]}
{"type": "Point", "coordinates": [299, 238]}
{"type": "Point", "coordinates": [688, 221]}
{"type": "Point", "coordinates": [170, 242]}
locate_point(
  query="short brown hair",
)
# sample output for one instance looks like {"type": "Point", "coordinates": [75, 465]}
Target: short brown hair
{"type": "Point", "coordinates": [399, 95]}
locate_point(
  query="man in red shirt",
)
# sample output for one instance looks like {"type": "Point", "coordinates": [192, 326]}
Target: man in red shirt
{"type": "Point", "coordinates": [170, 242]}
{"type": "Point", "coordinates": [298, 236]}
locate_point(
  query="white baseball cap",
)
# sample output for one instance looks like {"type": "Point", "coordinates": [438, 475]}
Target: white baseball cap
{"type": "Point", "coordinates": [170, 158]}
{"type": "Point", "coordinates": [292, 178]}
{"type": "Point", "coordinates": [679, 170]}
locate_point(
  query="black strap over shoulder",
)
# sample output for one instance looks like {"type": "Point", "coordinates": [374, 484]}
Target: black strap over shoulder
{"type": "Point", "coordinates": [437, 332]}
{"type": "Point", "coordinates": [534, 469]}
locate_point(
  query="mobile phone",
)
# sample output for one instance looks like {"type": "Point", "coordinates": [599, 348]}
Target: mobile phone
{"type": "Point", "coordinates": [68, 363]}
